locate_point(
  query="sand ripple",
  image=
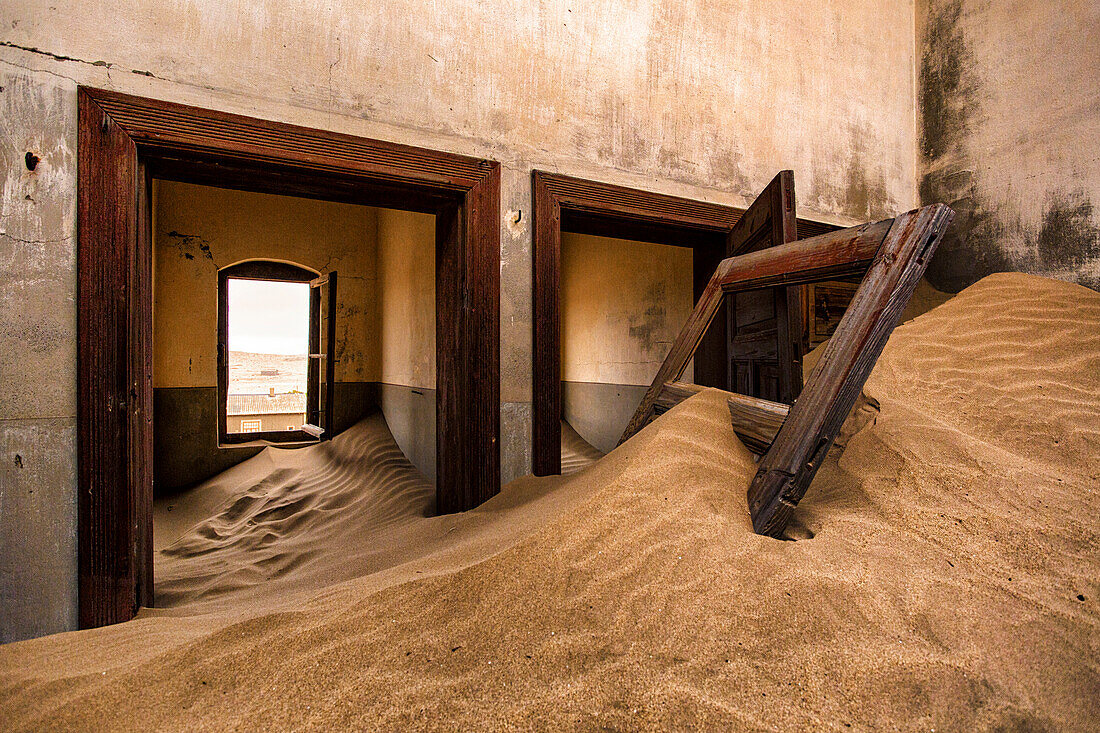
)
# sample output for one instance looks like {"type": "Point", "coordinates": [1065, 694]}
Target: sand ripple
{"type": "Point", "coordinates": [946, 578]}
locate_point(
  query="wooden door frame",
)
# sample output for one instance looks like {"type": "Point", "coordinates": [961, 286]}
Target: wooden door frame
{"type": "Point", "coordinates": [592, 207]}
{"type": "Point", "coordinates": [124, 142]}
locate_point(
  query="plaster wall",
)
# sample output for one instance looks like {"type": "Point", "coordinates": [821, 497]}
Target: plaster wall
{"type": "Point", "coordinates": [623, 303]}
{"type": "Point", "coordinates": [702, 98]}
{"type": "Point", "coordinates": [1010, 118]}
{"type": "Point", "coordinates": [197, 230]}
{"type": "Point", "coordinates": [200, 229]}
{"type": "Point", "coordinates": [406, 297]}
{"type": "Point", "coordinates": [406, 325]}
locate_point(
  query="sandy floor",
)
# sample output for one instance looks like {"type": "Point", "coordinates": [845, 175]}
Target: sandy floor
{"type": "Point", "coordinates": [946, 572]}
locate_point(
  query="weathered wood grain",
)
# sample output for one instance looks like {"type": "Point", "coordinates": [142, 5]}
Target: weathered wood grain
{"type": "Point", "coordinates": [834, 254]}
{"type": "Point", "coordinates": [768, 222]}
{"type": "Point", "coordinates": [108, 498]}
{"type": "Point", "coordinates": [785, 471]}
{"type": "Point", "coordinates": [755, 421]}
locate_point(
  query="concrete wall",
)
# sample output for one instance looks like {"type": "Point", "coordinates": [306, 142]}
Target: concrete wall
{"type": "Point", "coordinates": [622, 304]}
{"type": "Point", "coordinates": [1010, 119]}
{"type": "Point", "coordinates": [702, 98]}
{"type": "Point", "coordinates": [406, 325]}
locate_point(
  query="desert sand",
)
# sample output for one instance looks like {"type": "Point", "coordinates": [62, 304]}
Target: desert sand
{"type": "Point", "coordinates": [944, 572]}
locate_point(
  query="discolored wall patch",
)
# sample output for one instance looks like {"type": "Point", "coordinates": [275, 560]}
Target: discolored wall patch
{"type": "Point", "coordinates": [1004, 124]}
{"type": "Point", "coordinates": [1069, 238]}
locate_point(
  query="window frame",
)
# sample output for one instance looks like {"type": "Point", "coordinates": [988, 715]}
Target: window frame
{"type": "Point", "coordinates": [272, 271]}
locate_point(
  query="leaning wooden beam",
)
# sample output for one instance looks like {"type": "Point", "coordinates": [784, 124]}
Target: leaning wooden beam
{"type": "Point", "coordinates": [835, 254]}
{"type": "Point", "coordinates": [755, 421]}
{"type": "Point", "coordinates": [838, 253]}
{"type": "Point", "coordinates": [785, 471]}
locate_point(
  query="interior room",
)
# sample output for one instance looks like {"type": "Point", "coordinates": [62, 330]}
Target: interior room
{"type": "Point", "coordinates": [241, 355]}
{"type": "Point", "coordinates": [384, 351]}
{"type": "Point", "coordinates": [622, 304]}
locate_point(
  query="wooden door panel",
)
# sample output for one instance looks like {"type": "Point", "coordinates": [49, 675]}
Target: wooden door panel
{"type": "Point", "coordinates": [765, 327]}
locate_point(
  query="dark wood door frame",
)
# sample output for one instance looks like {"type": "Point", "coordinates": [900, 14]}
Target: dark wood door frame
{"type": "Point", "coordinates": [124, 142]}
{"type": "Point", "coordinates": [564, 203]}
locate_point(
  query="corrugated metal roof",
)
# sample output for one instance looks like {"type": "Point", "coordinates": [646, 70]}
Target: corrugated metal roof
{"type": "Point", "coordinates": [265, 404]}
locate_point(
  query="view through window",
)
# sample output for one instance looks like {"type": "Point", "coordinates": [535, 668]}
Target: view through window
{"type": "Point", "coordinates": [268, 335]}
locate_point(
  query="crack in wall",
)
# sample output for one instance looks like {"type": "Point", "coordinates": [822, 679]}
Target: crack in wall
{"type": "Point", "coordinates": [62, 57]}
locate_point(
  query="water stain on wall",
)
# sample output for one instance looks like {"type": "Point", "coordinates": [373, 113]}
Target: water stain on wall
{"type": "Point", "coordinates": [862, 192]}
{"type": "Point", "coordinates": [964, 135]}
{"type": "Point", "coordinates": [1069, 238]}
{"type": "Point", "coordinates": [975, 244]}
{"type": "Point", "coordinates": [948, 88]}
{"type": "Point", "coordinates": [949, 95]}
{"type": "Point", "coordinates": [865, 194]}
{"type": "Point", "coordinates": [652, 321]}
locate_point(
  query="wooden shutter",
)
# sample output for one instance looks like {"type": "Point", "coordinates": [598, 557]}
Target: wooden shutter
{"type": "Point", "coordinates": [322, 357]}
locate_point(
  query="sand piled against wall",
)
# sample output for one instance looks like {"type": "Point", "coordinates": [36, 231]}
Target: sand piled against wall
{"type": "Point", "coordinates": [576, 452]}
{"type": "Point", "coordinates": [946, 577]}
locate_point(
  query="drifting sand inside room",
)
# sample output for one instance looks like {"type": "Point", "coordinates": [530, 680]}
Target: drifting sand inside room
{"type": "Point", "coordinates": [945, 574]}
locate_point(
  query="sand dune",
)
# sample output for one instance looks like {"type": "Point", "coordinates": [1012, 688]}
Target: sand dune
{"type": "Point", "coordinates": [946, 572]}
{"type": "Point", "coordinates": [278, 513]}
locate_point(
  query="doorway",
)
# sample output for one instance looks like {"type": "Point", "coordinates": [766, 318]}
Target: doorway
{"type": "Point", "coordinates": [566, 205]}
{"type": "Point", "coordinates": [126, 142]}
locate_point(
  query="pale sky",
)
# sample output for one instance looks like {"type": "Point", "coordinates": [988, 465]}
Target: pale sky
{"type": "Point", "coordinates": [268, 317]}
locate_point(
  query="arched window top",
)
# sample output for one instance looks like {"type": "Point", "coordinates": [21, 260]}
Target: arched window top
{"type": "Point", "coordinates": [269, 270]}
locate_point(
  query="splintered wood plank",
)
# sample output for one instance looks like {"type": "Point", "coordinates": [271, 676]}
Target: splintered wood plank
{"type": "Point", "coordinates": [755, 421]}
{"type": "Point", "coordinates": [785, 471]}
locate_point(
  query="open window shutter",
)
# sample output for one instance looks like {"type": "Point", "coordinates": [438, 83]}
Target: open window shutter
{"type": "Point", "coordinates": [322, 357]}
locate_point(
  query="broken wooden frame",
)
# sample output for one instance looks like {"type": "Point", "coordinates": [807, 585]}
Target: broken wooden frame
{"type": "Point", "coordinates": [893, 254]}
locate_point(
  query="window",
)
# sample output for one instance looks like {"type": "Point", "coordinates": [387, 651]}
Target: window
{"type": "Point", "coordinates": [276, 328]}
